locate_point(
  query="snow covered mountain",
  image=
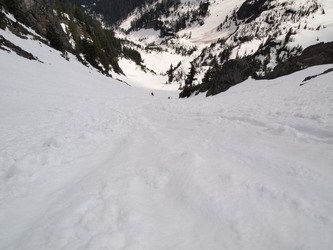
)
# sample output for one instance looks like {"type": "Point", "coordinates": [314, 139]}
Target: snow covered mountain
{"type": "Point", "coordinates": [187, 45]}
{"type": "Point", "coordinates": [206, 34]}
{"type": "Point", "coordinates": [88, 162]}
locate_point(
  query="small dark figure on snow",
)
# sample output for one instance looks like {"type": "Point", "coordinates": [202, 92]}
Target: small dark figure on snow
{"type": "Point", "coordinates": [152, 94]}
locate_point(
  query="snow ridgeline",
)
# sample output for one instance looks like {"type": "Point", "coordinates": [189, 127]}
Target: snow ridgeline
{"type": "Point", "coordinates": [87, 162]}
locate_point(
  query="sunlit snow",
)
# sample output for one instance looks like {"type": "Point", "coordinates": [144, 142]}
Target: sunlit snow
{"type": "Point", "coordinates": [88, 162]}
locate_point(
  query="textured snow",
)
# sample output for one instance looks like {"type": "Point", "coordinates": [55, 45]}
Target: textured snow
{"type": "Point", "coordinates": [88, 162]}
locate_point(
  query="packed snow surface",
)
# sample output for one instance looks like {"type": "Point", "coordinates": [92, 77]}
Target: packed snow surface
{"type": "Point", "coordinates": [88, 162]}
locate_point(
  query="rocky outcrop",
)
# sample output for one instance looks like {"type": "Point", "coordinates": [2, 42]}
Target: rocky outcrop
{"type": "Point", "coordinates": [154, 24]}
{"type": "Point", "coordinates": [314, 76]}
{"type": "Point", "coordinates": [238, 70]}
{"type": "Point", "coordinates": [252, 8]}
{"type": "Point", "coordinates": [231, 73]}
{"type": "Point", "coordinates": [9, 46]}
{"type": "Point", "coordinates": [39, 15]}
{"type": "Point", "coordinates": [89, 41]}
{"type": "Point", "coordinates": [321, 53]}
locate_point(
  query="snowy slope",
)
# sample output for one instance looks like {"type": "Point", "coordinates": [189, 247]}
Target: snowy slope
{"type": "Point", "coordinates": [87, 162]}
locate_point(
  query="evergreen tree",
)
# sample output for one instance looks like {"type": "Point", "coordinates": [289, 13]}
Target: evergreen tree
{"type": "Point", "coordinates": [54, 39]}
{"type": "Point", "coordinates": [190, 78]}
{"type": "Point", "coordinates": [211, 73]}
{"type": "Point", "coordinates": [170, 74]}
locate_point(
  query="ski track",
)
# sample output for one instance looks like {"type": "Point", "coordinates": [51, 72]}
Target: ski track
{"type": "Point", "coordinates": [90, 163]}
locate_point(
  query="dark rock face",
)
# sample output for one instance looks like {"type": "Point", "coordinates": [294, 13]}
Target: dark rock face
{"type": "Point", "coordinates": [321, 53]}
{"type": "Point", "coordinates": [8, 46]}
{"type": "Point", "coordinates": [251, 8]}
{"type": "Point", "coordinates": [232, 73]}
{"type": "Point", "coordinates": [314, 76]}
{"type": "Point", "coordinates": [156, 25]}
{"type": "Point", "coordinates": [39, 16]}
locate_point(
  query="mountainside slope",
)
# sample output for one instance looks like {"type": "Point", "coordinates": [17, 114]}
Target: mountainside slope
{"type": "Point", "coordinates": [88, 162]}
{"type": "Point", "coordinates": [207, 34]}
{"type": "Point", "coordinates": [67, 28]}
